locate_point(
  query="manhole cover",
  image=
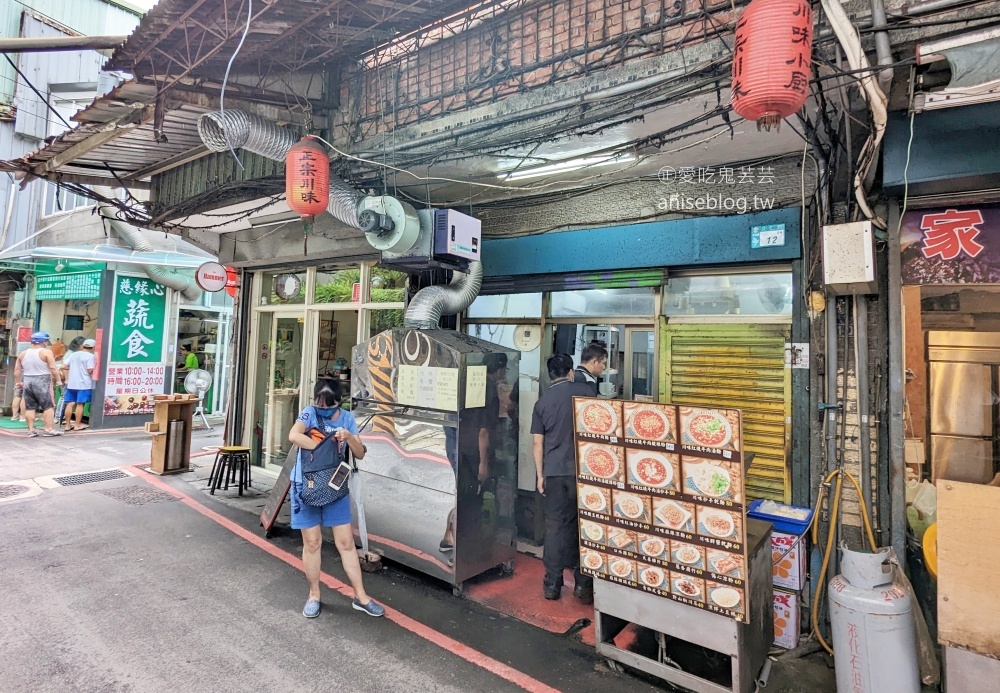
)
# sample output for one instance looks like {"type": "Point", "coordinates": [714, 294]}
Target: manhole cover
{"type": "Point", "coordinates": [137, 495]}
{"type": "Point", "coordinates": [90, 477]}
{"type": "Point", "coordinates": [12, 490]}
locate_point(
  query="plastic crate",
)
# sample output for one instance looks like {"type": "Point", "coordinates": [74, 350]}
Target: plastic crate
{"type": "Point", "coordinates": [781, 524]}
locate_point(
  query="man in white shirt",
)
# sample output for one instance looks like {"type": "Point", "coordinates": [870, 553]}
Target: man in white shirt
{"type": "Point", "coordinates": [79, 383]}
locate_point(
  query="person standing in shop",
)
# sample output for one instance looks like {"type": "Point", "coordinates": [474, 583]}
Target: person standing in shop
{"type": "Point", "coordinates": [593, 362]}
{"type": "Point", "coordinates": [36, 371]}
{"type": "Point", "coordinates": [190, 358]}
{"type": "Point", "coordinates": [555, 466]}
{"type": "Point", "coordinates": [79, 367]}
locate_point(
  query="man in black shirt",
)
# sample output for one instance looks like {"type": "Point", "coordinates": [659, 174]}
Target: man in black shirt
{"type": "Point", "coordinates": [555, 466]}
{"type": "Point", "coordinates": [593, 362]}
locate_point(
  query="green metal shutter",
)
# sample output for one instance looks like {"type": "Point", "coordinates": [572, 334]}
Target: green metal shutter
{"type": "Point", "coordinates": [743, 367]}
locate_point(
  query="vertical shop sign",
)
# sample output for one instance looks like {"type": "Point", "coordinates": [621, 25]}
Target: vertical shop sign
{"type": "Point", "coordinates": [661, 501]}
{"type": "Point", "coordinates": [136, 370]}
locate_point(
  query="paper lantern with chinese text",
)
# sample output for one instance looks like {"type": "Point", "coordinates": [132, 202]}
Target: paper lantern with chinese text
{"type": "Point", "coordinates": [772, 60]}
{"type": "Point", "coordinates": [307, 177]}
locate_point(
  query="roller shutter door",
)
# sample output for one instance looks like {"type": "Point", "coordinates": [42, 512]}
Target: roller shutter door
{"type": "Point", "coordinates": [742, 367]}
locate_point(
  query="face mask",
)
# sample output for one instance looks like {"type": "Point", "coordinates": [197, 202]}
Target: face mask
{"type": "Point", "coordinates": [326, 411]}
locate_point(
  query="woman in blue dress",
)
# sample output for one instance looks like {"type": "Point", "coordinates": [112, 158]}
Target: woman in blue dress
{"type": "Point", "coordinates": [326, 416]}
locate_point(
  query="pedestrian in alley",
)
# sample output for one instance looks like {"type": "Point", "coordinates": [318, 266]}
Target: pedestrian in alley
{"type": "Point", "coordinates": [36, 371]}
{"type": "Point", "coordinates": [555, 465]}
{"type": "Point", "coordinates": [593, 362]}
{"type": "Point", "coordinates": [325, 416]}
{"type": "Point", "coordinates": [78, 367]}
{"type": "Point", "coordinates": [17, 403]}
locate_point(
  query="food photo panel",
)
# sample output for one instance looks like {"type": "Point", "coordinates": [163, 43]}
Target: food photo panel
{"type": "Point", "coordinates": [727, 564]}
{"type": "Point", "coordinates": [652, 422]}
{"type": "Point", "coordinates": [593, 561]}
{"type": "Point", "coordinates": [683, 585]}
{"type": "Point", "coordinates": [593, 531]}
{"type": "Point", "coordinates": [594, 498]}
{"type": "Point", "coordinates": [715, 479]}
{"type": "Point", "coordinates": [653, 576]}
{"type": "Point", "coordinates": [622, 539]}
{"type": "Point", "coordinates": [598, 417]}
{"type": "Point", "coordinates": [688, 555]}
{"type": "Point", "coordinates": [653, 546]}
{"type": "Point", "coordinates": [601, 462]}
{"type": "Point", "coordinates": [716, 429]}
{"type": "Point", "coordinates": [720, 524]}
{"type": "Point", "coordinates": [652, 469]}
{"type": "Point", "coordinates": [623, 568]}
{"type": "Point", "coordinates": [632, 506]}
{"type": "Point", "coordinates": [676, 515]}
{"type": "Point", "coordinates": [724, 597]}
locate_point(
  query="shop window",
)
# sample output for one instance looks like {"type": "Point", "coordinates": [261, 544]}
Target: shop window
{"type": "Point", "coordinates": [338, 286]}
{"type": "Point", "coordinates": [387, 286]}
{"type": "Point", "coordinates": [507, 306]}
{"type": "Point", "coordinates": [384, 319]}
{"type": "Point", "coordinates": [283, 287]}
{"type": "Point", "coordinates": [637, 301]}
{"type": "Point", "coordinates": [764, 294]}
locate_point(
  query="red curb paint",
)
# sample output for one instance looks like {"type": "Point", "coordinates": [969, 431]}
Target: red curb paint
{"type": "Point", "coordinates": [467, 653]}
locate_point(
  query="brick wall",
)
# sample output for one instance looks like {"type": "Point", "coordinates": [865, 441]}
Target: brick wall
{"type": "Point", "coordinates": [540, 44]}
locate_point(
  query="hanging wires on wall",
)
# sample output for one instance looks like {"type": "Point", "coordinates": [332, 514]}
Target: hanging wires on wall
{"type": "Point", "coordinates": [225, 79]}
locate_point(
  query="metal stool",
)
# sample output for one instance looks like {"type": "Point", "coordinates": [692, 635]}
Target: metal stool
{"type": "Point", "coordinates": [230, 460]}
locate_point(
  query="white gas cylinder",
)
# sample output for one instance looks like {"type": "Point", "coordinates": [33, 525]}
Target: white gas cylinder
{"type": "Point", "coordinates": [874, 640]}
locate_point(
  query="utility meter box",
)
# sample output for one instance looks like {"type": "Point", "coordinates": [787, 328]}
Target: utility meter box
{"type": "Point", "coordinates": [849, 258]}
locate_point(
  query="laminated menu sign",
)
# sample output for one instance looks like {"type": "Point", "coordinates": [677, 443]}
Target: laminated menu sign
{"type": "Point", "coordinates": [427, 386]}
{"type": "Point", "coordinates": [661, 500]}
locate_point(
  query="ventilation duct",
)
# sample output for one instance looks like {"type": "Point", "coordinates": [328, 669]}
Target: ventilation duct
{"type": "Point", "coordinates": [241, 130]}
{"type": "Point", "coordinates": [427, 307]}
{"type": "Point", "coordinates": [134, 239]}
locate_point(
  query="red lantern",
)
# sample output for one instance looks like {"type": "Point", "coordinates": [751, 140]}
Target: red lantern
{"type": "Point", "coordinates": [307, 177]}
{"type": "Point", "coordinates": [772, 60]}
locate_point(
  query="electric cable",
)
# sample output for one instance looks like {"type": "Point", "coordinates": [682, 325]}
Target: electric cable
{"type": "Point", "coordinates": [225, 79]}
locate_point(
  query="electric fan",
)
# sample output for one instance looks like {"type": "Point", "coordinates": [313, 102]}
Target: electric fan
{"type": "Point", "coordinates": [198, 382]}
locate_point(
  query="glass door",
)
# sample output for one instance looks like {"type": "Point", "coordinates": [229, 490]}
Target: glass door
{"type": "Point", "coordinates": [279, 376]}
{"type": "Point", "coordinates": [640, 364]}
{"type": "Point", "coordinates": [332, 336]}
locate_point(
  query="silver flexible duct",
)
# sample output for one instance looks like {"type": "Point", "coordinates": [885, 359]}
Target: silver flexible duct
{"type": "Point", "coordinates": [242, 130]}
{"type": "Point", "coordinates": [427, 307]}
{"type": "Point", "coordinates": [134, 239]}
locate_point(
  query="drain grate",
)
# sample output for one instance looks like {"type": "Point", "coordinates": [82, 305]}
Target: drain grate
{"type": "Point", "coordinates": [12, 490]}
{"type": "Point", "coordinates": [137, 495]}
{"type": "Point", "coordinates": [90, 477]}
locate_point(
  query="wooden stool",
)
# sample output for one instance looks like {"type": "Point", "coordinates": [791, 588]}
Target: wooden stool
{"type": "Point", "coordinates": [230, 460]}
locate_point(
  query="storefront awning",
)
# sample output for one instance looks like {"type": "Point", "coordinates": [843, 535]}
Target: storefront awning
{"type": "Point", "coordinates": [108, 253]}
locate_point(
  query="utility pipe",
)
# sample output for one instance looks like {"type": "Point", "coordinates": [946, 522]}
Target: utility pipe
{"type": "Point", "coordinates": [864, 403]}
{"type": "Point", "coordinates": [883, 49]}
{"type": "Point", "coordinates": [60, 43]}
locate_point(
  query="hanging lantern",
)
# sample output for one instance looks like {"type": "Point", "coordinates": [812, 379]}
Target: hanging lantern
{"type": "Point", "coordinates": [307, 177]}
{"type": "Point", "coordinates": [772, 60]}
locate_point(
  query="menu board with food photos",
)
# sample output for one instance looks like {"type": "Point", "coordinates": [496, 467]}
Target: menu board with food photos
{"type": "Point", "coordinates": [661, 500]}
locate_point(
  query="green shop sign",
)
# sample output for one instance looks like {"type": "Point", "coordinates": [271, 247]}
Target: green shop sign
{"type": "Point", "coordinates": [68, 286]}
{"type": "Point", "coordinates": [139, 320]}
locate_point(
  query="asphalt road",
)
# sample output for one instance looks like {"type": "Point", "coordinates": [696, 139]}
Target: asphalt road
{"type": "Point", "coordinates": [145, 584]}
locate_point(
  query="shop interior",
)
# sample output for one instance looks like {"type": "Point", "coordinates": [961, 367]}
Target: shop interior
{"type": "Point", "coordinates": [198, 330]}
{"type": "Point", "coordinates": [952, 408]}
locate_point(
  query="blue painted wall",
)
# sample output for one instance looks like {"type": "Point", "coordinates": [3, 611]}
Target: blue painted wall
{"type": "Point", "coordinates": [677, 243]}
{"type": "Point", "coordinates": [954, 150]}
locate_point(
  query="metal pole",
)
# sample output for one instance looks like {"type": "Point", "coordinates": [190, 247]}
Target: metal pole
{"type": "Point", "coordinates": [60, 43]}
{"type": "Point", "coordinates": [897, 464]}
{"type": "Point", "coordinates": [864, 404]}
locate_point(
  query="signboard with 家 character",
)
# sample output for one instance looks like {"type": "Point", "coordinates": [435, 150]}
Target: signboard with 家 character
{"type": "Point", "coordinates": [136, 369]}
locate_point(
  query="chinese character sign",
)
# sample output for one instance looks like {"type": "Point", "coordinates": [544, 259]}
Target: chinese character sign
{"type": "Point", "coordinates": [951, 246]}
{"type": "Point", "coordinates": [139, 320]}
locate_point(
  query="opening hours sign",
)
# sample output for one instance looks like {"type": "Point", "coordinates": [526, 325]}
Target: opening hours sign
{"type": "Point", "coordinates": [136, 369]}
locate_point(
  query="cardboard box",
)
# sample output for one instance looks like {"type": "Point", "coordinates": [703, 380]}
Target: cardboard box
{"type": "Point", "coordinates": [788, 560]}
{"type": "Point", "coordinates": [786, 619]}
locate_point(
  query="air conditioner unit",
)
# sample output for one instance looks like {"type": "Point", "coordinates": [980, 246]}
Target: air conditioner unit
{"type": "Point", "coordinates": [974, 59]}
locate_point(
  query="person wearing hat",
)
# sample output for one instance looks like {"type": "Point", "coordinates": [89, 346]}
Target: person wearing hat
{"type": "Point", "coordinates": [79, 383]}
{"type": "Point", "coordinates": [36, 371]}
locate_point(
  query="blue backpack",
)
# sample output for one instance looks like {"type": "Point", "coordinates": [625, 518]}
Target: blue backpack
{"type": "Point", "coordinates": [318, 467]}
